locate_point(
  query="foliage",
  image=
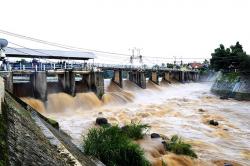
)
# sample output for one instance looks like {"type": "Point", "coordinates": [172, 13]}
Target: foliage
{"type": "Point", "coordinates": [53, 123]}
{"type": "Point", "coordinates": [108, 73]}
{"type": "Point", "coordinates": [163, 163]}
{"type": "Point", "coordinates": [135, 131]}
{"type": "Point", "coordinates": [231, 77]}
{"type": "Point", "coordinates": [169, 65]}
{"type": "Point", "coordinates": [230, 58]}
{"type": "Point", "coordinates": [113, 147]}
{"type": "Point", "coordinates": [177, 146]}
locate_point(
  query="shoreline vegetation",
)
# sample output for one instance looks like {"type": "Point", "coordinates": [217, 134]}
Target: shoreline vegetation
{"type": "Point", "coordinates": [118, 146]}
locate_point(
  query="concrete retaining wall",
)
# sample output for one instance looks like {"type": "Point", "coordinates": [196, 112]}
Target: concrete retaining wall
{"type": "Point", "coordinates": [27, 139]}
{"type": "Point", "coordinates": [232, 85]}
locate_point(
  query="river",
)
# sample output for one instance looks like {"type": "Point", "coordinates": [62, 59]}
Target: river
{"type": "Point", "coordinates": [182, 109]}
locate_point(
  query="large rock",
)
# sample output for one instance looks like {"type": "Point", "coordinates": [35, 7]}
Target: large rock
{"type": "Point", "coordinates": [155, 135]}
{"type": "Point", "coordinates": [213, 122]}
{"type": "Point", "coordinates": [101, 121]}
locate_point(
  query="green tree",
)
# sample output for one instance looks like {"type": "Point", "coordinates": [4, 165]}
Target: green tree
{"type": "Point", "coordinates": [230, 58]}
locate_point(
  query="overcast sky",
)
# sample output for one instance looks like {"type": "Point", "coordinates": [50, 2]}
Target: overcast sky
{"type": "Point", "coordinates": [162, 28]}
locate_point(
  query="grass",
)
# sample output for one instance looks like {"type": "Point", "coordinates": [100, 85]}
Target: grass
{"type": "Point", "coordinates": [135, 131]}
{"type": "Point", "coordinates": [112, 146]}
{"type": "Point", "coordinates": [177, 146]}
{"type": "Point", "coordinates": [230, 77]}
{"type": "Point", "coordinates": [53, 123]}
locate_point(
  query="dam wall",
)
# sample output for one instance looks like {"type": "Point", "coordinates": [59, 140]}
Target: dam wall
{"type": "Point", "coordinates": [233, 85]}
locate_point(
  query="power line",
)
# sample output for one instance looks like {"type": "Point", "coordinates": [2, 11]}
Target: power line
{"type": "Point", "coordinates": [30, 49]}
{"type": "Point", "coordinates": [77, 48]}
{"type": "Point", "coordinates": [57, 44]}
{"type": "Point", "coordinates": [18, 50]}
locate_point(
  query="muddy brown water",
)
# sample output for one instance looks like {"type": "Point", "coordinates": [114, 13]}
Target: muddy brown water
{"type": "Point", "coordinates": [182, 109]}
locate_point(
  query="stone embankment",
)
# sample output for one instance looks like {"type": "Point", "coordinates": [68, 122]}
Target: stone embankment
{"type": "Point", "coordinates": [232, 85]}
{"type": "Point", "coordinates": [26, 137]}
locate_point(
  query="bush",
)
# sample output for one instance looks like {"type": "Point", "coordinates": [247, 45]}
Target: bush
{"type": "Point", "coordinates": [113, 147]}
{"type": "Point", "coordinates": [135, 131]}
{"type": "Point", "coordinates": [177, 146]}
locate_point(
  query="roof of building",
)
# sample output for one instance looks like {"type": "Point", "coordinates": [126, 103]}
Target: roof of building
{"type": "Point", "coordinates": [196, 65]}
{"type": "Point", "coordinates": [48, 54]}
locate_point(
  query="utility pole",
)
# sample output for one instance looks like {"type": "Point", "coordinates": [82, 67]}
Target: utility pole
{"type": "Point", "coordinates": [137, 56]}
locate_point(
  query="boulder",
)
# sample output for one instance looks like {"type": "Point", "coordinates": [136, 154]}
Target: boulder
{"type": "Point", "coordinates": [101, 121]}
{"type": "Point", "coordinates": [201, 110]}
{"type": "Point", "coordinates": [164, 143]}
{"type": "Point", "coordinates": [155, 135]}
{"type": "Point", "coordinates": [213, 122]}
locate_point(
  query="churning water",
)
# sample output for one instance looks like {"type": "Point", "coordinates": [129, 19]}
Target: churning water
{"type": "Point", "coordinates": [182, 109]}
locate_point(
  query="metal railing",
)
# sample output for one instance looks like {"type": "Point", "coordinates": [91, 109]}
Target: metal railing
{"type": "Point", "coordinates": [83, 67]}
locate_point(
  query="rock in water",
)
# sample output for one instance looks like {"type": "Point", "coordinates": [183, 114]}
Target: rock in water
{"type": "Point", "coordinates": [155, 135]}
{"type": "Point", "coordinates": [213, 122]}
{"type": "Point", "coordinates": [101, 121]}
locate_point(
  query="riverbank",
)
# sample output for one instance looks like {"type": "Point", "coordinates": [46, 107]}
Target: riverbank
{"type": "Point", "coordinates": [232, 85]}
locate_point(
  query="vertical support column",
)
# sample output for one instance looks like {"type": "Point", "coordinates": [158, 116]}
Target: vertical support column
{"type": "Point", "coordinates": [97, 83]}
{"type": "Point", "coordinates": [138, 77]}
{"type": "Point", "coordinates": [154, 77]}
{"type": "Point", "coordinates": [188, 76]}
{"type": "Point", "coordinates": [182, 76]}
{"type": "Point", "coordinates": [39, 85]}
{"type": "Point", "coordinates": [67, 80]}
{"type": "Point", "coordinates": [70, 82]}
{"type": "Point", "coordinates": [191, 76]}
{"type": "Point", "coordinates": [117, 78]}
{"type": "Point", "coordinates": [196, 76]}
{"type": "Point", "coordinates": [166, 76]}
{"type": "Point", "coordinates": [177, 75]}
{"type": "Point", "coordinates": [142, 79]}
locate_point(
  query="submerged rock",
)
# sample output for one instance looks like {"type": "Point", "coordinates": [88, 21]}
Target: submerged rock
{"type": "Point", "coordinates": [101, 121]}
{"type": "Point", "coordinates": [213, 122]}
{"type": "Point", "coordinates": [201, 110]}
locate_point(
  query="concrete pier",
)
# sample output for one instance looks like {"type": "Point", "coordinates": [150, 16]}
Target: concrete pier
{"type": "Point", "coordinates": [154, 77]}
{"type": "Point", "coordinates": [166, 76]}
{"type": "Point", "coordinates": [39, 85]}
{"type": "Point", "coordinates": [138, 77]}
{"type": "Point", "coordinates": [117, 78]}
{"type": "Point", "coordinates": [97, 83]}
{"type": "Point", "coordinates": [35, 84]}
{"type": "Point", "coordinates": [69, 84]}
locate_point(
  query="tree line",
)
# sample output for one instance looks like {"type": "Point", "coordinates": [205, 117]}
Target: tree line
{"type": "Point", "coordinates": [230, 59]}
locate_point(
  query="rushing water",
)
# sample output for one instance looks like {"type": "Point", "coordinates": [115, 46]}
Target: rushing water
{"type": "Point", "coordinates": [182, 109]}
